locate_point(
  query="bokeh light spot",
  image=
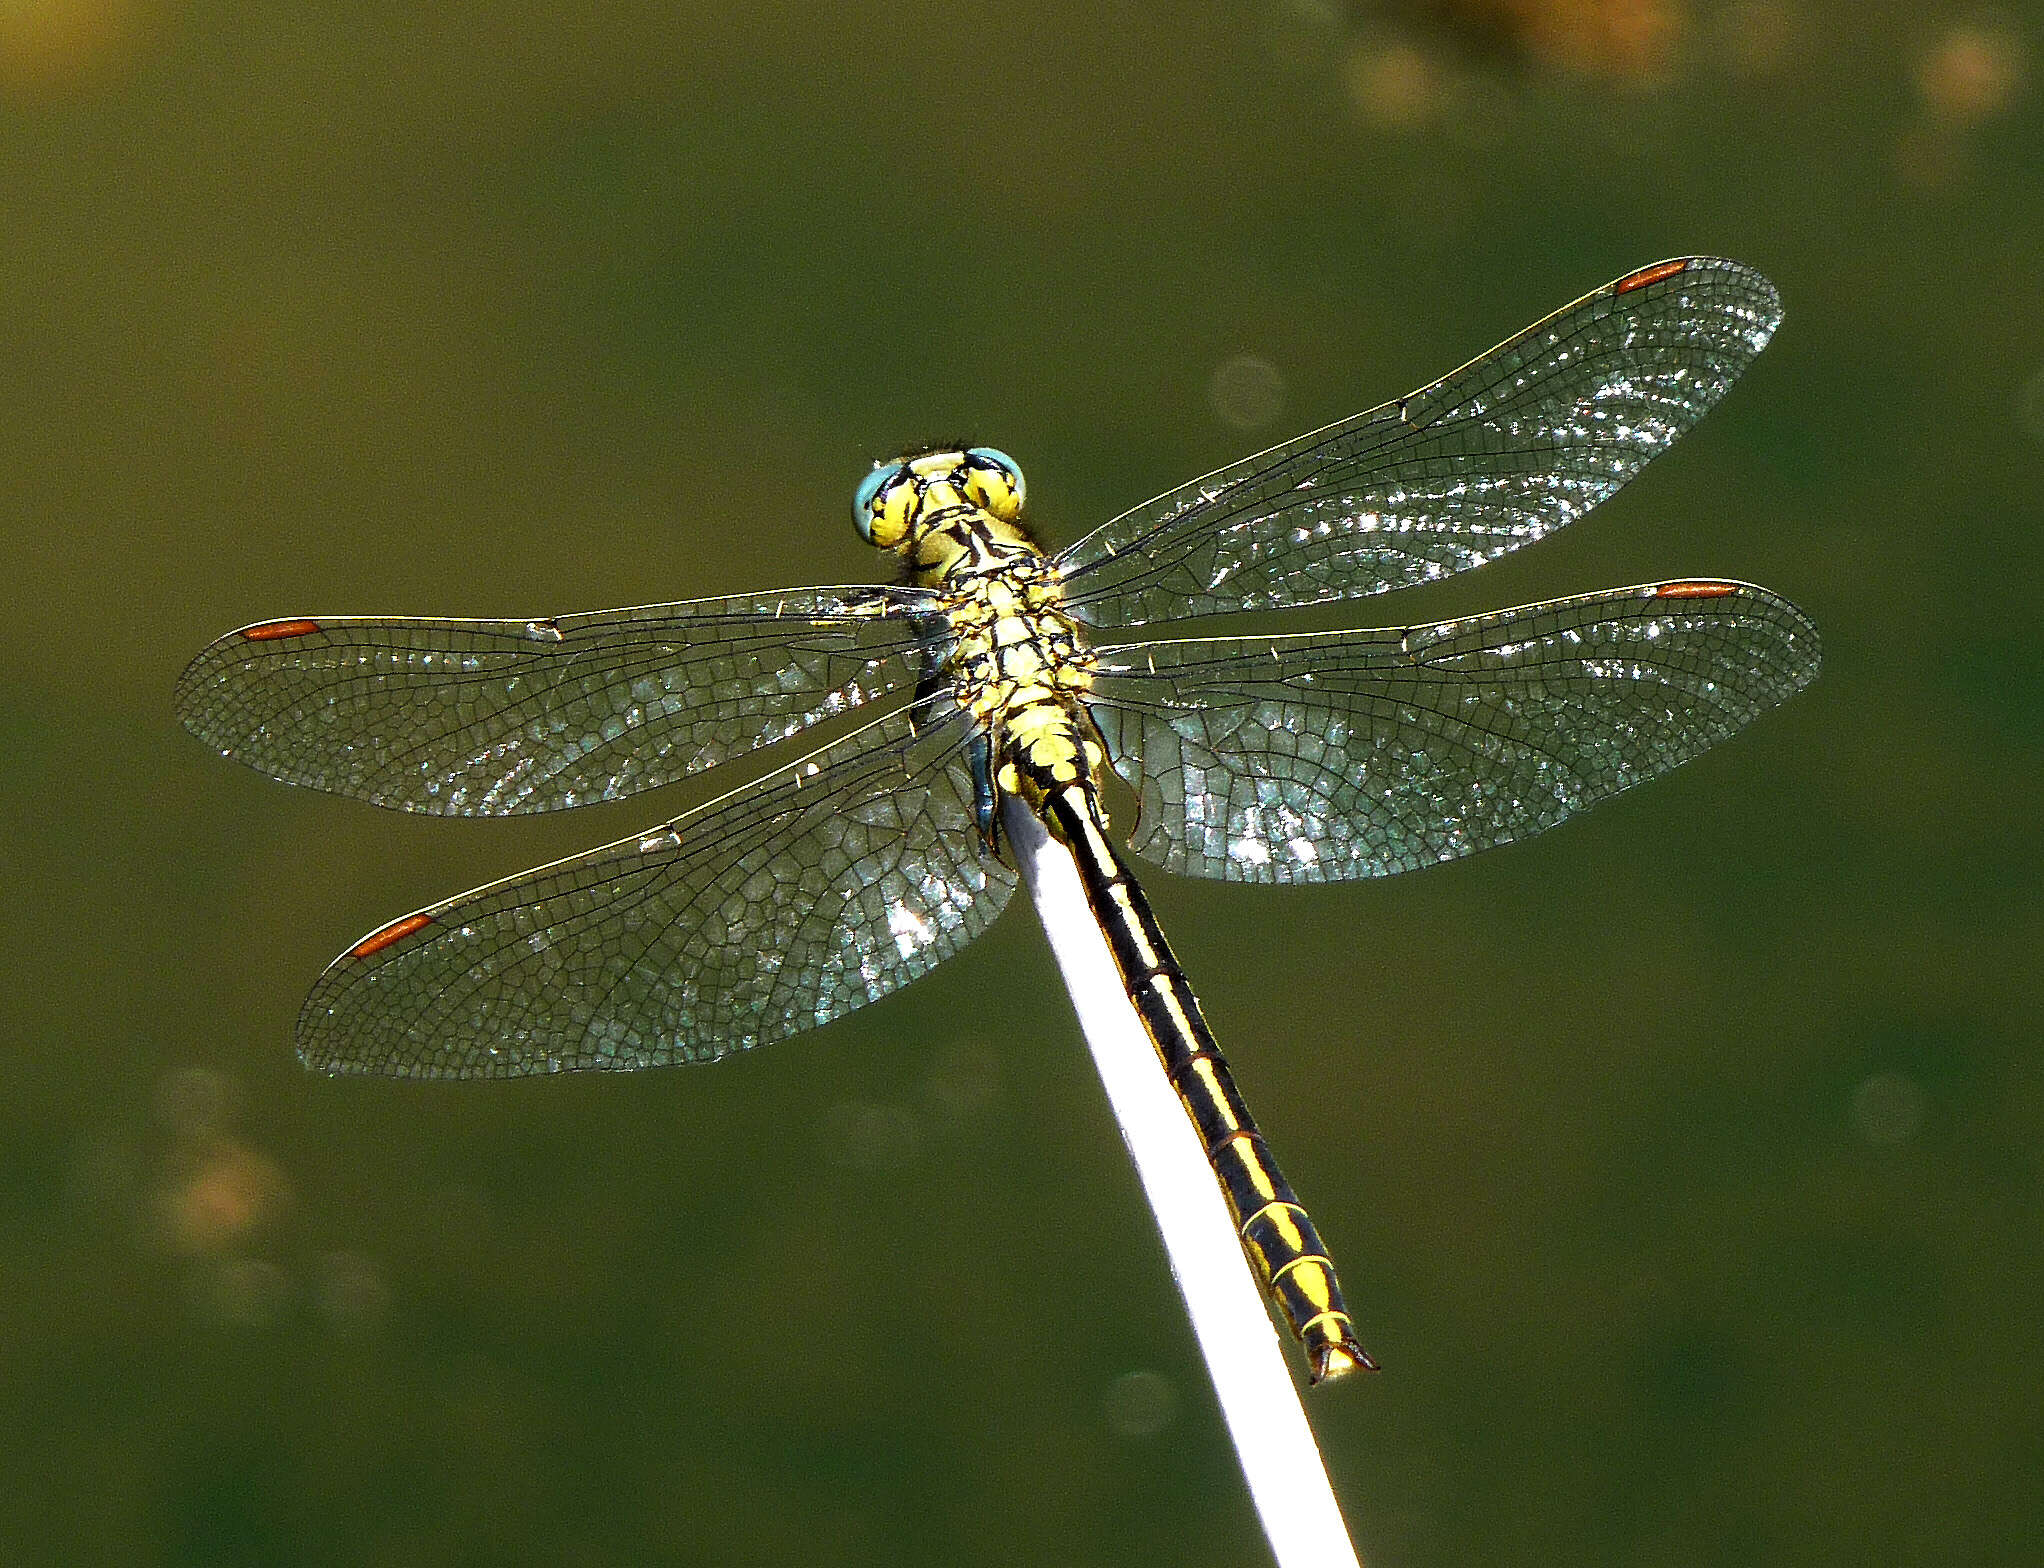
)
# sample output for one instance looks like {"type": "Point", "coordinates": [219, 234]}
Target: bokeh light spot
{"type": "Point", "coordinates": [1758, 37]}
{"type": "Point", "coordinates": [50, 47]}
{"type": "Point", "coordinates": [2030, 406]}
{"type": "Point", "coordinates": [195, 1102]}
{"type": "Point", "coordinates": [1247, 392]}
{"type": "Point", "coordinates": [1887, 1108]}
{"type": "Point", "coordinates": [1394, 84]}
{"type": "Point", "coordinates": [245, 1292]}
{"type": "Point", "coordinates": [863, 1135]}
{"type": "Point", "coordinates": [216, 1196]}
{"type": "Point", "coordinates": [349, 1291]}
{"type": "Point", "coordinates": [1971, 74]}
{"type": "Point", "coordinates": [1139, 1404]}
{"type": "Point", "coordinates": [965, 1076]}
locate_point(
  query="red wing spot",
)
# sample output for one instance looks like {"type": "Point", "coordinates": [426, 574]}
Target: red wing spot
{"type": "Point", "coordinates": [390, 935]}
{"type": "Point", "coordinates": [1646, 275]}
{"type": "Point", "coordinates": [272, 631]}
{"type": "Point", "coordinates": [1696, 590]}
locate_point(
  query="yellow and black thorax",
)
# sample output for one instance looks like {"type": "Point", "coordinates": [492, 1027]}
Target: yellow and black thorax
{"type": "Point", "coordinates": [1011, 654]}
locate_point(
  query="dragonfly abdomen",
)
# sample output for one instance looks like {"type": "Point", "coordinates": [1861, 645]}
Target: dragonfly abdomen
{"type": "Point", "coordinates": [1276, 1233]}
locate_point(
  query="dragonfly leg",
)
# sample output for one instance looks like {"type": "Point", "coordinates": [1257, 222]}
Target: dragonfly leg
{"type": "Point", "coordinates": [986, 794]}
{"type": "Point", "coordinates": [930, 685]}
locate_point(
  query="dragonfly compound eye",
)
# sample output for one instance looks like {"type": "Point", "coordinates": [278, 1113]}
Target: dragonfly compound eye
{"type": "Point", "coordinates": [994, 480]}
{"type": "Point", "coordinates": [884, 504]}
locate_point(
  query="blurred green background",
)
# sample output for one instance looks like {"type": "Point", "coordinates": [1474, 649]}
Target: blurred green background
{"type": "Point", "coordinates": [1686, 1165]}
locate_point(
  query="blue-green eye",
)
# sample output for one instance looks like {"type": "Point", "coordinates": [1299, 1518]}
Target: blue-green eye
{"type": "Point", "coordinates": [994, 457]}
{"type": "Point", "coordinates": [1000, 460]}
{"type": "Point", "coordinates": [862, 498]}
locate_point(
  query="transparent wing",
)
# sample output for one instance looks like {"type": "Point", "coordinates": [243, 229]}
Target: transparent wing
{"type": "Point", "coordinates": [784, 905]}
{"type": "Point", "coordinates": [1503, 451]}
{"type": "Point", "coordinates": [491, 718]}
{"type": "Point", "coordinates": [1336, 755]}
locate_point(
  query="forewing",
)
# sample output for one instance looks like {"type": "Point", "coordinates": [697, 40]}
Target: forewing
{"type": "Point", "coordinates": [1338, 755]}
{"type": "Point", "coordinates": [783, 906]}
{"type": "Point", "coordinates": [1503, 451]}
{"type": "Point", "coordinates": [492, 718]}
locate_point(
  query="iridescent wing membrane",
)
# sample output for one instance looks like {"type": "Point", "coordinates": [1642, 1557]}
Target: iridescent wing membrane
{"type": "Point", "coordinates": [1502, 452]}
{"type": "Point", "coordinates": [782, 906]}
{"type": "Point", "coordinates": [858, 866]}
{"type": "Point", "coordinates": [493, 718]}
{"type": "Point", "coordinates": [1329, 756]}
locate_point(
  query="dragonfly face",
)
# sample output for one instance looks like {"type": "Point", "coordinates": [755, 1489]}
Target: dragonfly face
{"type": "Point", "coordinates": [900, 499]}
{"type": "Point", "coordinates": [862, 862]}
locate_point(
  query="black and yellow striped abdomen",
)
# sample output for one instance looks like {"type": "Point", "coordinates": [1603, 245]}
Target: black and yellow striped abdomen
{"type": "Point", "coordinates": [1017, 662]}
{"type": "Point", "coordinates": [1275, 1231]}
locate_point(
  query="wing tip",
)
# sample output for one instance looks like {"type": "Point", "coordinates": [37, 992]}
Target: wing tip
{"type": "Point", "coordinates": [1793, 623]}
{"type": "Point", "coordinates": [207, 668]}
{"type": "Point", "coordinates": [1762, 305]}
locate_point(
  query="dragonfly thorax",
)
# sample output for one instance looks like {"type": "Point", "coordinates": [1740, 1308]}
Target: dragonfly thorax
{"type": "Point", "coordinates": [1019, 665]}
{"type": "Point", "coordinates": [1015, 659]}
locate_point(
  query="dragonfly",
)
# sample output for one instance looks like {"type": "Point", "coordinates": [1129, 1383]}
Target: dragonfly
{"type": "Point", "coordinates": [905, 716]}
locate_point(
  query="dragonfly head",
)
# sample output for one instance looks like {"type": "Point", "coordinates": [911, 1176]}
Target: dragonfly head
{"type": "Point", "coordinates": [903, 495]}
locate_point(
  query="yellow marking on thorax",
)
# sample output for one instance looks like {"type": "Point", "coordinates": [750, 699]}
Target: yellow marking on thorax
{"type": "Point", "coordinates": [1016, 660]}
{"type": "Point", "coordinates": [1019, 661]}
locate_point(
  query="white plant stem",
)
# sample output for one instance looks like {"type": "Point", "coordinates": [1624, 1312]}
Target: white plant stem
{"type": "Point", "coordinates": [1244, 1355]}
